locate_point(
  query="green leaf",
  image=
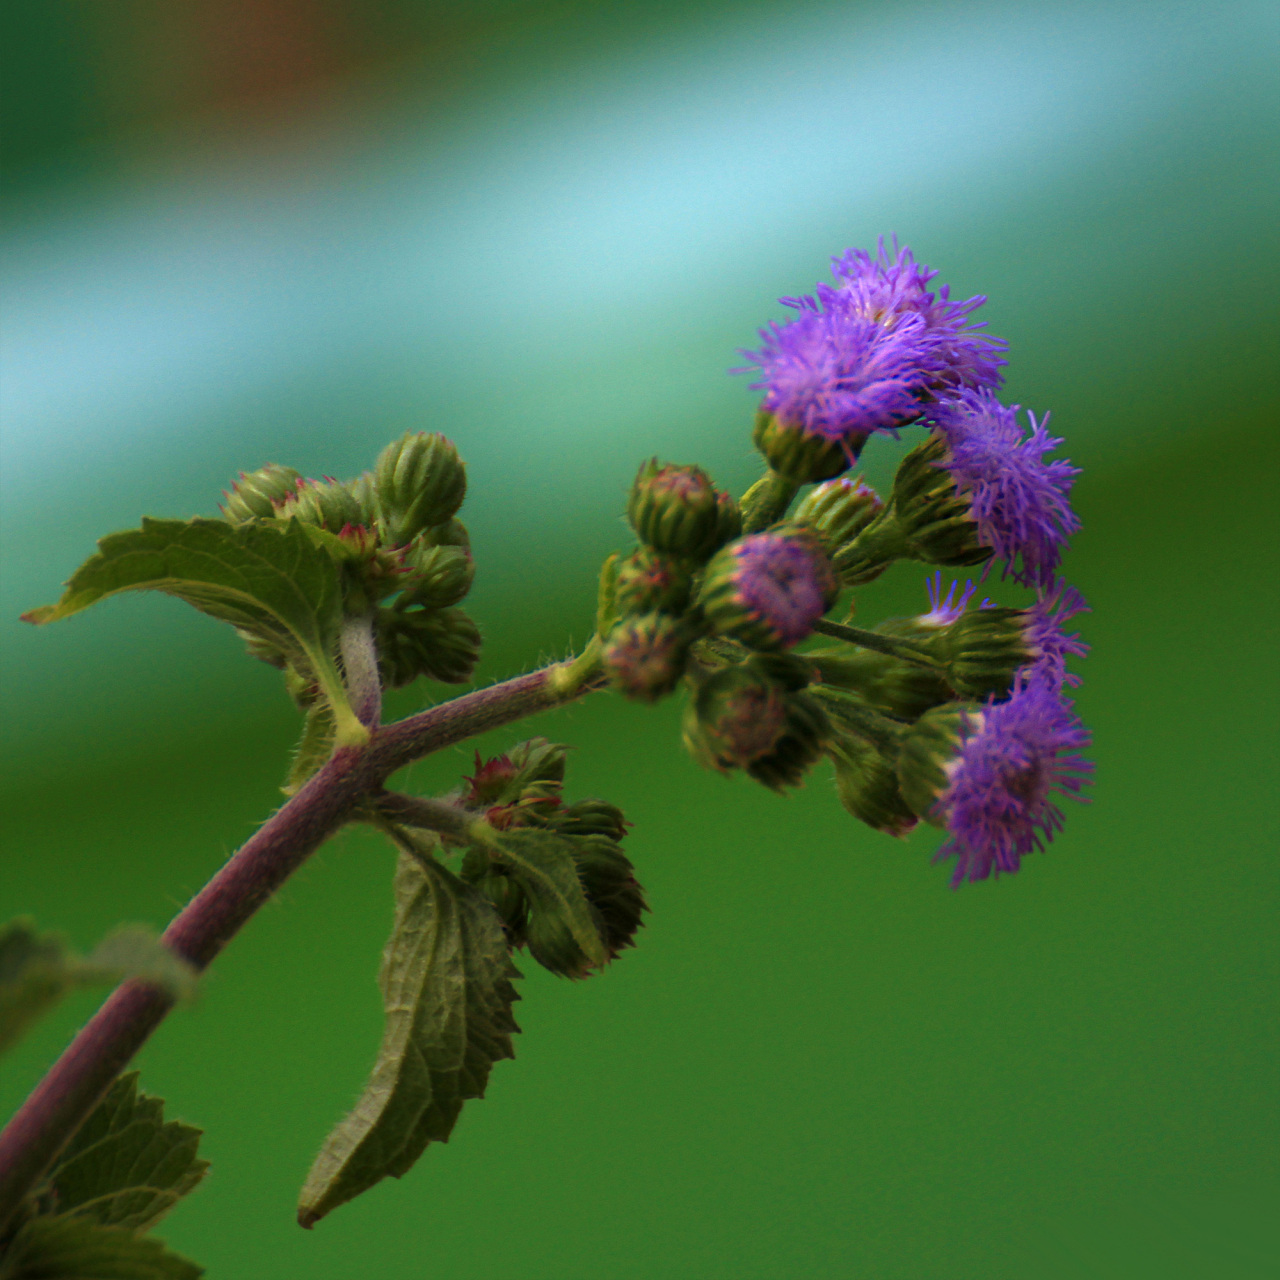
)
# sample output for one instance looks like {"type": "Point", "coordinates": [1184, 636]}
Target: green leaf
{"type": "Point", "coordinates": [272, 578]}
{"type": "Point", "coordinates": [564, 932]}
{"type": "Point", "coordinates": [314, 747]}
{"type": "Point", "coordinates": [446, 983]}
{"type": "Point", "coordinates": [127, 1166]}
{"type": "Point", "coordinates": [38, 969]}
{"type": "Point", "coordinates": [78, 1249]}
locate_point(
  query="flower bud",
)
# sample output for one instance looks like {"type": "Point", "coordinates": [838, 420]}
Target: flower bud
{"type": "Point", "coordinates": [839, 510]}
{"type": "Point", "coordinates": [736, 717]}
{"type": "Point", "coordinates": [443, 644]}
{"type": "Point", "coordinates": [326, 503]}
{"type": "Point", "coordinates": [768, 589]}
{"type": "Point", "coordinates": [645, 656]}
{"type": "Point", "coordinates": [984, 649]}
{"type": "Point", "coordinates": [591, 818]}
{"type": "Point", "coordinates": [420, 482]}
{"type": "Point", "coordinates": [453, 533]}
{"type": "Point", "coordinates": [609, 882]}
{"type": "Point", "coordinates": [928, 748]}
{"type": "Point", "coordinates": [436, 577]}
{"type": "Point", "coordinates": [256, 493]}
{"type": "Point", "coordinates": [900, 689]}
{"type": "Point", "coordinates": [868, 787]}
{"type": "Point", "coordinates": [675, 509]}
{"type": "Point", "coordinates": [802, 456]}
{"type": "Point", "coordinates": [650, 582]}
{"type": "Point", "coordinates": [932, 518]}
{"type": "Point", "coordinates": [806, 736]}
{"type": "Point", "coordinates": [728, 519]}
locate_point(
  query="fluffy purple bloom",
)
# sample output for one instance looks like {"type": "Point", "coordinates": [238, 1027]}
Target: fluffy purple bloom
{"type": "Point", "coordinates": [944, 610]}
{"type": "Point", "coordinates": [1013, 756]}
{"type": "Point", "coordinates": [1048, 643]}
{"type": "Point", "coordinates": [839, 375]}
{"type": "Point", "coordinates": [890, 287]}
{"type": "Point", "coordinates": [782, 585]}
{"type": "Point", "coordinates": [1018, 500]}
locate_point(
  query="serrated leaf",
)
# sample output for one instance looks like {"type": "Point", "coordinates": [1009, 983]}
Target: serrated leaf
{"type": "Point", "coordinates": [314, 747]}
{"type": "Point", "coordinates": [78, 1249]}
{"type": "Point", "coordinates": [38, 969]}
{"type": "Point", "coordinates": [608, 879]}
{"type": "Point", "coordinates": [126, 1166]}
{"type": "Point", "coordinates": [272, 578]}
{"type": "Point", "coordinates": [564, 934]}
{"type": "Point", "coordinates": [446, 983]}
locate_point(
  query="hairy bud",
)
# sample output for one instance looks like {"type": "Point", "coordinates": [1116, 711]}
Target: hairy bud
{"type": "Point", "coordinates": [675, 509]}
{"type": "Point", "coordinates": [443, 644]}
{"type": "Point", "coordinates": [802, 456]}
{"type": "Point", "coordinates": [839, 510]}
{"type": "Point", "coordinates": [928, 747]}
{"type": "Point", "coordinates": [806, 736]}
{"type": "Point", "coordinates": [255, 494]}
{"type": "Point", "coordinates": [645, 656]}
{"type": "Point", "coordinates": [327, 503]}
{"type": "Point", "coordinates": [420, 482]}
{"type": "Point", "coordinates": [650, 581]}
{"type": "Point", "coordinates": [436, 576]}
{"type": "Point", "coordinates": [868, 787]}
{"type": "Point", "coordinates": [735, 717]}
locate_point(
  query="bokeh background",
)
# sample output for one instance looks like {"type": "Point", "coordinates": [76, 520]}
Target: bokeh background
{"type": "Point", "coordinates": [240, 231]}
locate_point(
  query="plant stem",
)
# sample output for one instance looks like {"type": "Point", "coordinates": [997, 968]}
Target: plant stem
{"type": "Point", "coordinates": [63, 1100]}
{"type": "Point", "coordinates": [430, 814]}
{"type": "Point", "coordinates": [360, 666]}
{"type": "Point", "coordinates": [902, 649]}
{"type": "Point", "coordinates": [767, 500]}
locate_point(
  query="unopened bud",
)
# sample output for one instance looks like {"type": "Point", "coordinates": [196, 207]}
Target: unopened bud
{"type": "Point", "coordinates": [645, 656]}
{"type": "Point", "coordinates": [420, 482]}
{"type": "Point", "coordinates": [736, 717]}
{"type": "Point", "coordinates": [255, 494]}
{"type": "Point", "coordinates": [675, 509]}
{"type": "Point", "coordinates": [801, 455]}
{"type": "Point", "coordinates": [768, 589]}
{"type": "Point", "coordinates": [650, 581]}
{"type": "Point", "coordinates": [436, 577]}
{"type": "Point", "coordinates": [326, 503]}
{"type": "Point", "coordinates": [839, 510]}
{"type": "Point", "coordinates": [807, 734]}
{"type": "Point", "coordinates": [868, 787]}
{"type": "Point", "coordinates": [932, 518]}
{"type": "Point", "coordinates": [591, 818]}
{"type": "Point", "coordinates": [443, 644]}
{"type": "Point", "coordinates": [984, 649]}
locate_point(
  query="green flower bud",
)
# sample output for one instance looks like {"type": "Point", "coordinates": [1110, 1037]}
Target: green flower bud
{"type": "Point", "coordinates": [255, 494]}
{"type": "Point", "coordinates": [932, 518]}
{"type": "Point", "coordinates": [435, 576]}
{"type": "Point", "coordinates": [900, 689]}
{"type": "Point", "coordinates": [728, 519]}
{"type": "Point", "coordinates": [609, 882]}
{"type": "Point", "coordinates": [807, 735]}
{"type": "Point", "coordinates": [508, 898]}
{"type": "Point", "coordinates": [420, 482]}
{"type": "Point", "coordinates": [591, 818]}
{"type": "Point", "coordinates": [453, 533]}
{"type": "Point", "coordinates": [443, 644]}
{"type": "Point", "coordinates": [839, 510]}
{"type": "Point", "coordinates": [927, 748]}
{"type": "Point", "coordinates": [326, 503]}
{"type": "Point", "coordinates": [868, 787]}
{"type": "Point", "coordinates": [675, 509]}
{"type": "Point", "coordinates": [800, 456]}
{"type": "Point", "coordinates": [645, 656]}
{"type": "Point", "coordinates": [768, 589]}
{"type": "Point", "coordinates": [649, 581]}
{"type": "Point", "coordinates": [735, 717]}
{"type": "Point", "coordinates": [983, 650]}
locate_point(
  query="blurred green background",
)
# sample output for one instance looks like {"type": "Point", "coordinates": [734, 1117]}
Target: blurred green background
{"type": "Point", "coordinates": [239, 231]}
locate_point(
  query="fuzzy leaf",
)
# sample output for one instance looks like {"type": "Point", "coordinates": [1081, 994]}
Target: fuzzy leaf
{"type": "Point", "coordinates": [564, 934]}
{"type": "Point", "coordinates": [314, 747]}
{"type": "Point", "coordinates": [271, 578]}
{"type": "Point", "coordinates": [78, 1249]}
{"type": "Point", "coordinates": [127, 1166]}
{"type": "Point", "coordinates": [446, 983]}
{"type": "Point", "coordinates": [38, 969]}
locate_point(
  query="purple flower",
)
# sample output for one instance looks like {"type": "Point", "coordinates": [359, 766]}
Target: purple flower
{"type": "Point", "coordinates": [1048, 643]}
{"type": "Point", "coordinates": [1017, 499]}
{"type": "Point", "coordinates": [943, 611]}
{"type": "Point", "coordinates": [839, 375]}
{"type": "Point", "coordinates": [888, 288]}
{"type": "Point", "coordinates": [1013, 756]}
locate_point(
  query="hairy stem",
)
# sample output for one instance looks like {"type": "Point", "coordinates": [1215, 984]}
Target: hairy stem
{"type": "Point", "coordinates": [360, 666]}
{"type": "Point", "coordinates": [75, 1084]}
{"type": "Point", "coordinates": [767, 501]}
{"type": "Point", "coordinates": [431, 815]}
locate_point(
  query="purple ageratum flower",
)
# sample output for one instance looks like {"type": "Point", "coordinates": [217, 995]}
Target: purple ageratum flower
{"type": "Point", "coordinates": [1018, 500]}
{"type": "Point", "coordinates": [944, 610]}
{"type": "Point", "coordinates": [1048, 643]}
{"type": "Point", "coordinates": [888, 288]}
{"type": "Point", "coordinates": [841, 376]}
{"type": "Point", "coordinates": [1013, 757]}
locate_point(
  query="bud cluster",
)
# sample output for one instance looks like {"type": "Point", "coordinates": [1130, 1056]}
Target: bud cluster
{"type": "Point", "coordinates": [406, 558]}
